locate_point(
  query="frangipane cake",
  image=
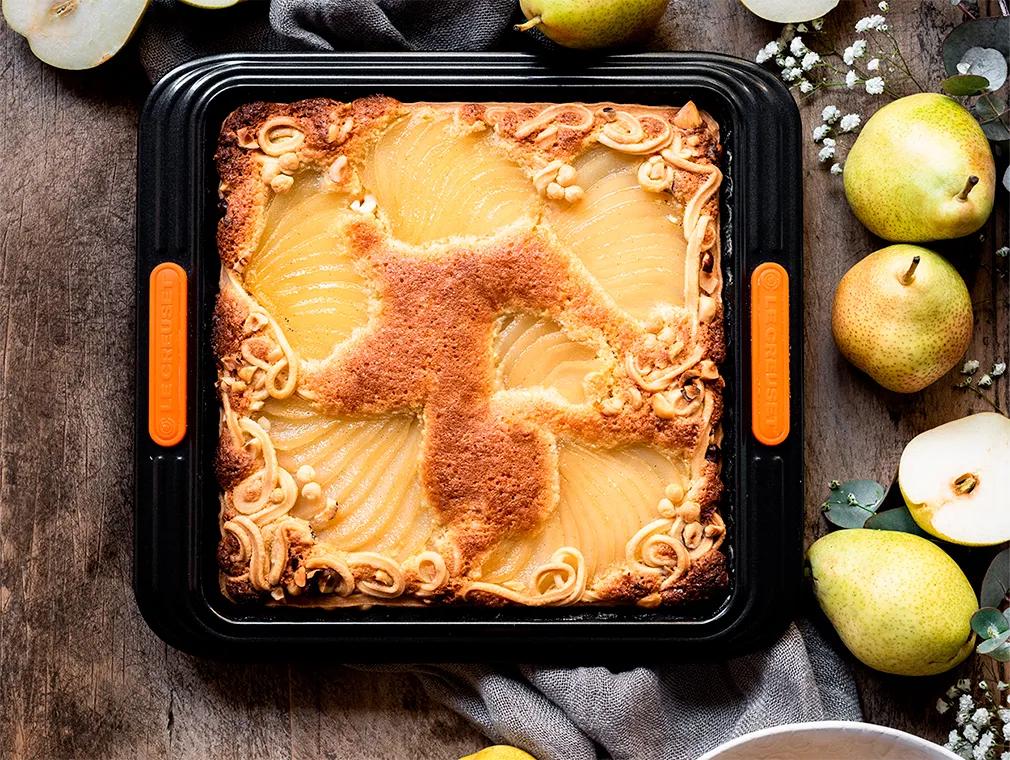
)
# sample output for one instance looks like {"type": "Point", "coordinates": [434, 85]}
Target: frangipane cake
{"type": "Point", "coordinates": [468, 353]}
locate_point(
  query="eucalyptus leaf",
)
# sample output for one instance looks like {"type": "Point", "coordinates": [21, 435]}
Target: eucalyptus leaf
{"type": "Point", "coordinates": [1001, 653]}
{"type": "Point", "coordinates": [851, 503]}
{"type": "Point", "coordinates": [985, 62]}
{"type": "Point", "coordinates": [996, 583]}
{"type": "Point", "coordinates": [990, 32]}
{"type": "Point", "coordinates": [962, 85]}
{"type": "Point", "coordinates": [989, 622]}
{"type": "Point", "coordinates": [898, 519]}
{"type": "Point", "coordinates": [990, 645]}
{"type": "Point", "coordinates": [990, 114]}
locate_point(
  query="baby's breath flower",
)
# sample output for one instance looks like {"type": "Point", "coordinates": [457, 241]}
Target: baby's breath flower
{"type": "Point", "coordinates": [970, 368]}
{"type": "Point", "coordinates": [771, 49]}
{"type": "Point", "coordinates": [817, 24]}
{"type": "Point", "coordinates": [985, 742]}
{"type": "Point", "coordinates": [971, 733]}
{"type": "Point", "coordinates": [873, 64]}
{"type": "Point", "coordinates": [826, 153]}
{"type": "Point", "coordinates": [851, 79]}
{"type": "Point", "coordinates": [1001, 685]}
{"type": "Point", "coordinates": [789, 62]}
{"type": "Point", "coordinates": [941, 705]}
{"type": "Point", "coordinates": [849, 122]}
{"type": "Point", "coordinates": [963, 684]}
{"type": "Point", "coordinates": [801, 28]}
{"type": "Point", "coordinates": [980, 717]}
{"type": "Point", "coordinates": [830, 114]}
{"type": "Point", "coordinates": [791, 74]}
{"type": "Point", "coordinates": [1004, 716]}
{"type": "Point", "coordinates": [1003, 252]}
{"type": "Point", "coordinates": [965, 703]}
{"type": "Point", "coordinates": [874, 86]}
{"type": "Point", "coordinates": [985, 381]}
{"type": "Point", "coordinates": [810, 60]}
{"type": "Point", "coordinates": [836, 168]}
{"type": "Point", "coordinates": [876, 21]}
{"type": "Point", "coordinates": [856, 50]}
{"type": "Point", "coordinates": [796, 46]}
{"type": "Point", "coordinates": [998, 369]}
{"type": "Point", "coordinates": [884, 7]}
{"type": "Point", "coordinates": [806, 87]}
{"type": "Point", "coordinates": [820, 132]}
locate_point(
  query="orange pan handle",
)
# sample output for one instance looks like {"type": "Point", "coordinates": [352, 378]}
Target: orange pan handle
{"type": "Point", "coordinates": [166, 398]}
{"type": "Point", "coordinates": [769, 324]}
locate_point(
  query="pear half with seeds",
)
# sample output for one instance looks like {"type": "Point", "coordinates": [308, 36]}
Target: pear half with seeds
{"type": "Point", "coordinates": [74, 34]}
{"type": "Point", "coordinates": [956, 480]}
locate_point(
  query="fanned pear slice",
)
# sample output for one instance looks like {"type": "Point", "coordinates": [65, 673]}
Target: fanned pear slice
{"type": "Point", "coordinates": [606, 497]}
{"type": "Point", "coordinates": [74, 34]}
{"type": "Point", "coordinates": [622, 234]}
{"type": "Point", "coordinates": [370, 466]}
{"type": "Point", "coordinates": [303, 274]}
{"type": "Point", "coordinates": [534, 352]}
{"type": "Point", "coordinates": [431, 183]}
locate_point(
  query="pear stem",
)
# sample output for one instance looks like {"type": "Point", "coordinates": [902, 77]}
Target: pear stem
{"type": "Point", "coordinates": [909, 276]}
{"type": "Point", "coordinates": [972, 181]}
{"type": "Point", "coordinates": [966, 483]}
{"type": "Point", "coordinates": [536, 21]}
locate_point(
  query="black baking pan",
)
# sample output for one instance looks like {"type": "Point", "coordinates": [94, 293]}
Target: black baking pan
{"type": "Point", "coordinates": [176, 519]}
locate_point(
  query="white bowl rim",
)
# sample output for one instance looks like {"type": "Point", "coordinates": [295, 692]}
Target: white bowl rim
{"type": "Point", "coordinates": [816, 725]}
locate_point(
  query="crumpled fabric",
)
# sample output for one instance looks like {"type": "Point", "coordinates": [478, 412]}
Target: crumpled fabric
{"type": "Point", "coordinates": [668, 712]}
{"type": "Point", "coordinates": [173, 32]}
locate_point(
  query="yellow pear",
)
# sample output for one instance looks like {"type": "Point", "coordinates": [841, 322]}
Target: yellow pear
{"type": "Point", "coordinates": [898, 602]}
{"type": "Point", "coordinates": [921, 169]}
{"type": "Point", "coordinates": [955, 480]}
{"type": "Point", "coordinates": [903, 316]}
{"type": "Point", "coordinates": [585, 24]}
{"type": "Point", "coordinates": [500, 752]}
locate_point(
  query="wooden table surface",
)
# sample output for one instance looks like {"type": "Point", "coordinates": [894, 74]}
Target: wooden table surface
{"type": "Point", "coordinates": [80, 674]}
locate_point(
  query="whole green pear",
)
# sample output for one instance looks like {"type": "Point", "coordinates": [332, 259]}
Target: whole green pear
{"type": "Point", "coordinates": [903, 316]}
{"type": "Point", "coordinates": [921, 169]}
{"type": "Point", "coordinates": [586, 24]}
{"type": "Point", "coordinates": [898, 602]}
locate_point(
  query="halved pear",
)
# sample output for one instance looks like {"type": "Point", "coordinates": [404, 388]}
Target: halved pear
{"type": "Point", "coordinates": [789, 11]}
{"type": "Point", "coordinates": [211, 4]}
{"type": "Point", "coordinates": [74, 34]}
{"type": "Point", "coordinates": [956, 480]}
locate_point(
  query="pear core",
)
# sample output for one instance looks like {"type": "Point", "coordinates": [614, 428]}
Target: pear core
{"type": "Point", "coordinates": [955, 480]}
{"type": "Point", "coordinates": [898, 602]}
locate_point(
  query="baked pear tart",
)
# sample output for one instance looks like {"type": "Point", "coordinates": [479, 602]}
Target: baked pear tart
{"type": "Point", "coordinates": [468, 353]}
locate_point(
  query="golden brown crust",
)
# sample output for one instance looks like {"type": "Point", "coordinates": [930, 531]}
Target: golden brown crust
{"type": "Point", "coordinates": [489, 463]}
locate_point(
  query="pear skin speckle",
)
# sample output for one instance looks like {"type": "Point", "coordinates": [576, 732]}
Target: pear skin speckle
{"type": "Point", "coordinates": [904, 336]}
{"type": "Point", "coordinates": [898, 602]}
{"type": "Point", "coordinates": [908, 164]}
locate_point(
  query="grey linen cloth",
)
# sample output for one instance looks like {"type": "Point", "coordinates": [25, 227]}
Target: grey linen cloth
{"type": "Point", "coordinates": [173, 33]}
{"type": "Point", "coordinates": [671, 712]}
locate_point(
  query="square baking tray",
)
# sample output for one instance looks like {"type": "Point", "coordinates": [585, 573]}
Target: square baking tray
{"type": "Point", "coordinates": [176, 509]}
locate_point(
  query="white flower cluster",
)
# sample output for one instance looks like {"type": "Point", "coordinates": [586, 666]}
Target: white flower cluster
{"type": "Point", "coordinates": [833, 123]}
{"type": "Point", "coordinates": [868, 23]}
{"type": "Point", "coordinates": [983, 731]}
{"type": "Point", "coordinates": [795, 60]}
